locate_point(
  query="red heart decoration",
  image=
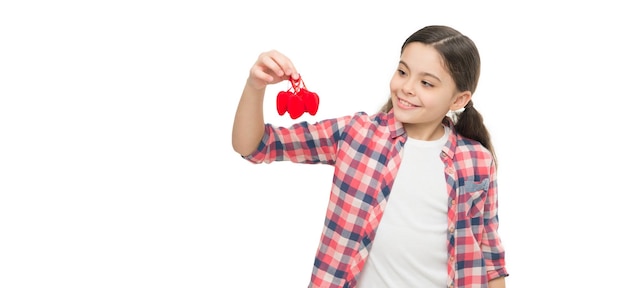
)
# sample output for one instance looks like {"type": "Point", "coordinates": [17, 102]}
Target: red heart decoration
{"type": "Point", "coordinates": [295, 106]}
{"type": "Point", "coordinates": [281, 101]}
{"type": "Point", "coordinates": [297, 100]}
{"type": "Point", "coordinates": [311, 101]}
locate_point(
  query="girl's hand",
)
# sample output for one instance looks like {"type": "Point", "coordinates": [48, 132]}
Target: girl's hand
{"type": "Point", "coordinates": [270, 68]}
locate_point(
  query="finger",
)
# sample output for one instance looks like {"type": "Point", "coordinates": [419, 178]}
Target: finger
{"type": "Point", "coordinates": [286, 66]}
{"type": "Point", "coordinates": [271, 66]}
{"type": "Point", "coordinates": [262, 75]}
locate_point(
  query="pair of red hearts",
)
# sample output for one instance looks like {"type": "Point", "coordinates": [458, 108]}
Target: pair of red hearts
{"type": "Point", "coordinates": [297, 100]}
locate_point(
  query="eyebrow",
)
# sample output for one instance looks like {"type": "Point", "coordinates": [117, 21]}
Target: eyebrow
{"type": "Point", "coordinates": [423, 73]}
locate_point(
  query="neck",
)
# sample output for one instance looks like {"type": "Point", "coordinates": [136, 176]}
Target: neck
{"type": "Point", "coordinates": [424, 132]}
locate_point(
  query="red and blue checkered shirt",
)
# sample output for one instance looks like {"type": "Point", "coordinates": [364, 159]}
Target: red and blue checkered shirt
{"type": "Point", "coordinates": [366, 152]}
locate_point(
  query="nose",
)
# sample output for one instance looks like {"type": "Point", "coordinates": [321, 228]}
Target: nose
{"type": "Point", "coordinates": [408, 88]}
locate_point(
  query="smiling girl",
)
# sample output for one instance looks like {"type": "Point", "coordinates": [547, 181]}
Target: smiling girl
{"type": "Point", "coordinates": [413, 201]}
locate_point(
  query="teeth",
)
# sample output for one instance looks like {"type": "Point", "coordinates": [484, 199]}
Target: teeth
{"type": "Point", "coordinates": [405, 103]}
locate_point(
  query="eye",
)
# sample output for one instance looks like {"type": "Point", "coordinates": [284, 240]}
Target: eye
{"type": "Point", "coordinates": [401, 72]}
{"type": "Point", "coordinates": [427, 84]}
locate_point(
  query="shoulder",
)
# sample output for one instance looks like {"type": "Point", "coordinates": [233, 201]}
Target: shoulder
{"type": "Point", "coordinates": [467, 148]}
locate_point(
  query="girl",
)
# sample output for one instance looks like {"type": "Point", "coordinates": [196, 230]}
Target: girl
{"type": "Point", "coordinates": [414, 195]}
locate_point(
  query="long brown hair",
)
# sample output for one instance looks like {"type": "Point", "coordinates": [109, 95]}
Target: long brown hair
{"type": "Point", "coordinates": [462, 60]}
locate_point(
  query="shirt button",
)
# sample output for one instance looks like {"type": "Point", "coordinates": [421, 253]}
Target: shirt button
{"type": "Point", "coordinates": [453, 201]}
{"type": "Point", "coordinates": [451, 229]}
{"type": "Point", "coordinates": [452, 258]}
{"type": "Point", "coordinates": [450, 170]}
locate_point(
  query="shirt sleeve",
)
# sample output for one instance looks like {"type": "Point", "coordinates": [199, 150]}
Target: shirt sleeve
{"type": "Point", "coordinates": [302, 142]}
{"type": "Point", "coordinates": [491, 245]}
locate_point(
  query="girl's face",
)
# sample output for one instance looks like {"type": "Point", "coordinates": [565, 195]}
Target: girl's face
{"type": "Point", "coordinates": [422, 92]}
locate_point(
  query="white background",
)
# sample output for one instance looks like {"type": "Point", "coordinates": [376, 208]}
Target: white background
{"type": "Point", "coordinates": [116, 168]}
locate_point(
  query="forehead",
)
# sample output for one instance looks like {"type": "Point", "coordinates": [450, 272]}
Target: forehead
{"type": "Point", "coordinates": [422, 58]}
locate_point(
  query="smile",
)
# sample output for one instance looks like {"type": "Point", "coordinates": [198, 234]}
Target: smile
{"type": "Point", "coordinates": [405, 104]}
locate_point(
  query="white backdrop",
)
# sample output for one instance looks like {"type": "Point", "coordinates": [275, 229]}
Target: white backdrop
{"type": "Point", "coordinates": [116, 168]}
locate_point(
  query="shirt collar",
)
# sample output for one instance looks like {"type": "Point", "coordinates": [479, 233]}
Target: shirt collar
{"type": "Point", "coordinates": [450, 146]}
{"type": "Point", "coordinates": [396, 130]}
{"type": "Point", "coordinates": [395, 127]}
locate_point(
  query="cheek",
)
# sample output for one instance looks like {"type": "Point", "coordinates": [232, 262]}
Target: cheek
{"type": "Point", "coordinates": [394, 84]}
{"type": "Point", "coordinates": [437, 101]}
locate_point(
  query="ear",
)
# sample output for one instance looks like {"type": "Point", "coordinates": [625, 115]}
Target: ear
{"type": "Point", "coordinates": [460, 100]}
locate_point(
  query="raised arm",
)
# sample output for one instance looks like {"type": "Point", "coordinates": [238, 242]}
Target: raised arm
{"type": "Point", "coordinates": [270, 68]}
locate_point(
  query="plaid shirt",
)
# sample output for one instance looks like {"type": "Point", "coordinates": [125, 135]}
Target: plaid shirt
{"type": "Point", "coordinates": [366, 152]}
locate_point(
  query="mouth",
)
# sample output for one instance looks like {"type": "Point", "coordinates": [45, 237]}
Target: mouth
{"type": "Point", "coordinates": [405, 104]}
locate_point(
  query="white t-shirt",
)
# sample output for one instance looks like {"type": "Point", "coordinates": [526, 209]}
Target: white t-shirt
{"type": "Point", "coordinates": [410, 247]}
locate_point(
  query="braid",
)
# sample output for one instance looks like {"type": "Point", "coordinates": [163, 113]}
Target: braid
{"type": "Point", "coordinates": [469, 123]}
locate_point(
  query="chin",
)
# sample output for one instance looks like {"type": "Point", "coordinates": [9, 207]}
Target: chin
{"type": "Point", "coordinates": [402, 115]}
